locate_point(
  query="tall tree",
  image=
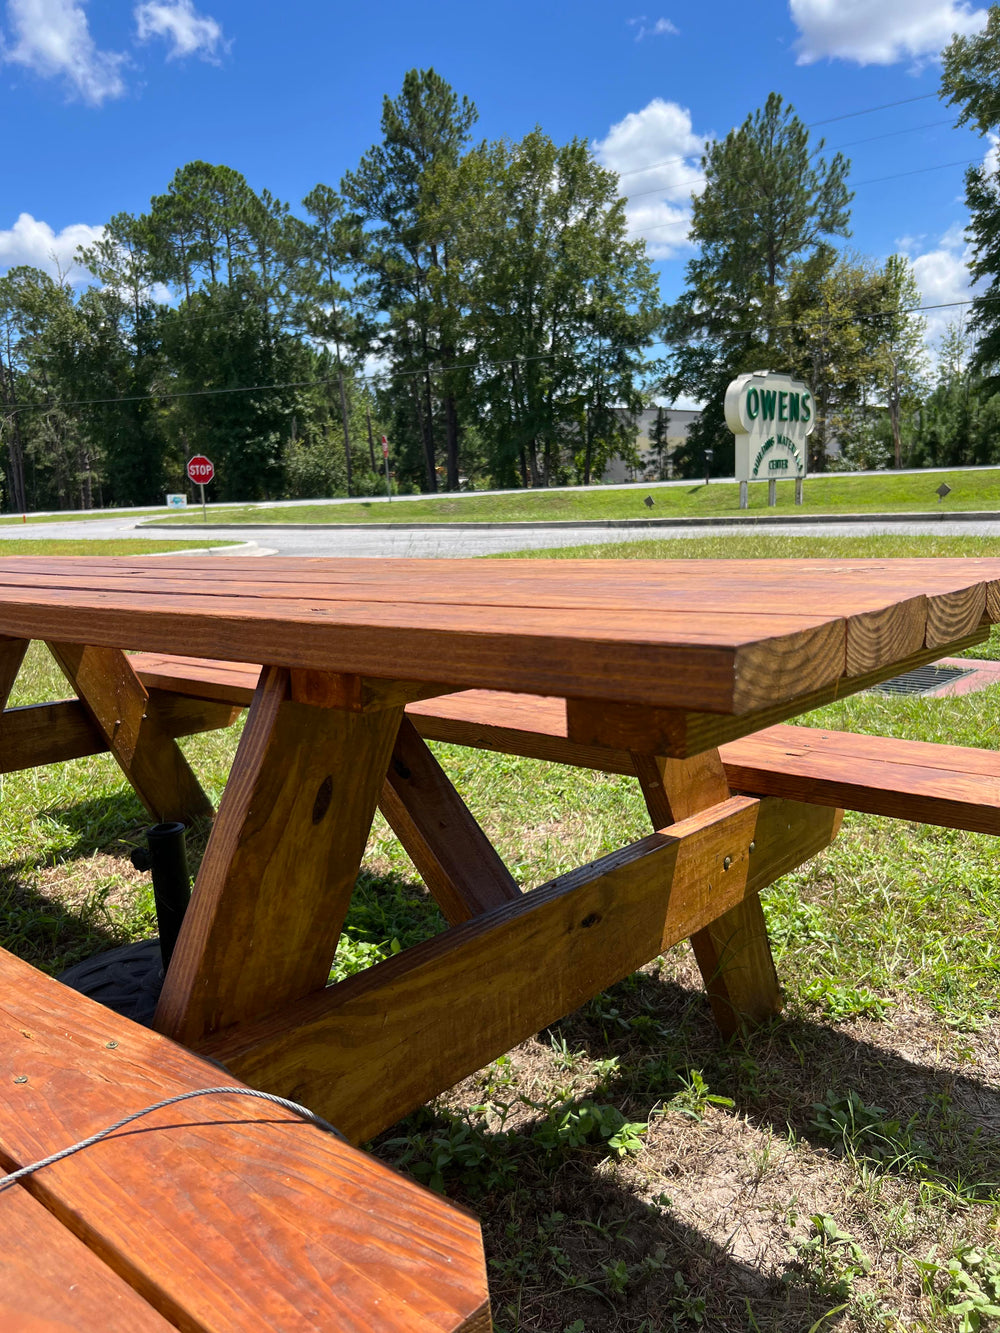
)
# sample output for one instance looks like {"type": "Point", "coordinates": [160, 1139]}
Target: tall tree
{"type": "Point", "coordinates": [971, 81]}
{"type": "Point", "coordinates": [770, 201]}
{"type": "Point", "coordinates": [558, 305]}
{"type": "Point", "coordinates": [400, 255]}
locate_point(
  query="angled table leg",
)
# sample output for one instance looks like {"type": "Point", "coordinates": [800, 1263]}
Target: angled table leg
{"type": "Point", "coordinates": [733, 952]}
{"type": "Point", "coordinates": [454, 857]}
{"type": "Point", "coordinates": [117, 702]}
{"type": "Point", "coordinates": [280, 866]}
{"type": "Point", "coordinates": [12, 653]}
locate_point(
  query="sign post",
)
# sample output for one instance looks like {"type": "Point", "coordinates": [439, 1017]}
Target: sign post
{"type": "Point", "coordinates": [385, 460]}
{"type": "Point", "coordinates": [772, 416]}
{"type": "Point", "coordinates": [201, 470]}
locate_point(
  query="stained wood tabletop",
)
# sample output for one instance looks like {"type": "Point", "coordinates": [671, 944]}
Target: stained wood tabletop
{"type": "Point", "coordinates": [710, 635]}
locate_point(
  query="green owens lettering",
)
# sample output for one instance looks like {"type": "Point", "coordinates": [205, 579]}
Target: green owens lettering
{"type": "Point", "coordinates": [767, 399]}
{"type": "Point", "coordinates": [806, 412]}
{"type": "Point", "coordinates": [783, 405]}
{"type": "Point", "coordinates": [753, 404]}
{"type": "Point", "coordinates": [793, 407]}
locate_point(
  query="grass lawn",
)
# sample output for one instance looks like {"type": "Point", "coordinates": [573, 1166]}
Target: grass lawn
{"type": "Point", "coordinates": [633, 1172]}
{"type": "Point", "coordinates": [77, 517]}
{"type": "Point", "coordinates": [138, 546]}
{"type": "Point", "coordinates": [833, 494]}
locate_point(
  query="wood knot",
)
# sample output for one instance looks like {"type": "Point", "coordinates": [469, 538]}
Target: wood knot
{"type": "Point", "coordinates": [591, 919]}
{"type": "Point", "coordinates": [323, 798]}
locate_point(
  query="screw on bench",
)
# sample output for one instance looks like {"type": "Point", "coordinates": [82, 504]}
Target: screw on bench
{"type": "Point", "coordinates": [166, 859]}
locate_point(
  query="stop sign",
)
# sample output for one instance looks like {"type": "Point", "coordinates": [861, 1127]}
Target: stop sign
{"type": "Point", "coordinates": [200, 469]}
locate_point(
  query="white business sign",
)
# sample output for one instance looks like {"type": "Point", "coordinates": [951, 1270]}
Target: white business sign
{"type": "Point", "coordinates": [772, 416]}
{"type": "Point", "coordinates": [177, 501]}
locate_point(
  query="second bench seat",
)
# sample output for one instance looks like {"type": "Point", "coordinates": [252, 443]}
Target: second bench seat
{"type": "Point", "coordinates": [953, 786]}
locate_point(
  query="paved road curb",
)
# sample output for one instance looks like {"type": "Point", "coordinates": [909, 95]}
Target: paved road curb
{"type": "Point", "coordinates": [752, 521]}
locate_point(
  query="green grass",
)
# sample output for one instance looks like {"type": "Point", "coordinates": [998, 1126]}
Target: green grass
{"type": "Point", "coordinates": [136, 546]}
{"type": "Point", "coordinates": [831, 494]}
{"type": "Point", "coordinates": [76, 517]}
{"type": "Point", "coordinates": [634, 1173]}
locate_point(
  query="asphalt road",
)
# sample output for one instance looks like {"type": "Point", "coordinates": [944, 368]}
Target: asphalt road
{"type": "Point", "coordinates": [424, 542]}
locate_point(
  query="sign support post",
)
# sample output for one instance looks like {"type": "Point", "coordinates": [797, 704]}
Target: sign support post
{"type": "Point", "coordinates": [385, 459]}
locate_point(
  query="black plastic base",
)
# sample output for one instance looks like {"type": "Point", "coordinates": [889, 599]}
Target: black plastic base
{"type": "Point", "coordinates": [127, 980]}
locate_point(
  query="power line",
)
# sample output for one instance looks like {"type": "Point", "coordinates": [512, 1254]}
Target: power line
{"type": "Point", "coordinates": [848, 115]}
{"type": "Point", "coordinates": [171, 395]}
{"type": "Point", "coordinates": [874, 180]}
{"type": "Point", "coordinates": [891, 134]}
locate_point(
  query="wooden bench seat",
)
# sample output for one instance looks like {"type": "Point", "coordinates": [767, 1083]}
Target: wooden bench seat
{"type": "Point", "coordinates": [218, 1214]}
{"type": "Point", "coordinates": [953, 786]}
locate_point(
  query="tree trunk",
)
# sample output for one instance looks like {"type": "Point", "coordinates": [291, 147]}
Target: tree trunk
{"type": "Point", "coordinates": [343, 417]}
{"type": "Point", "coordinates": [451, 442]}
{"type": "Point", "coordinates": [428, 434]}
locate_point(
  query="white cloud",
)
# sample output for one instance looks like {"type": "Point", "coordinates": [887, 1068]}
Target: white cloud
{"type": "Point", "coordinates": [880, 32]}
{"type": "Point", "coordinates": [52, 39]}
{"type": "Point", "coordinates": [657, 155]}
{"type": "Point", "coordinates": [943, 277]}
{"type": "Point", "coordinates": [32, 242]}
{"type": "Point", "coordinates": [656, 28]}
{"type": "Point", "coordinates": [177, 22]}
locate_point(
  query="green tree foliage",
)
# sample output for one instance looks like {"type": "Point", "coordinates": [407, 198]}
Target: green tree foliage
{"type": "Point", "coordinates": [769, 202]}
{"type": "Point", "coordinates": [557, 302]}
{"type": "Point", "coordinates": [971, 81]}
{"type": "Point", "coordinates": [400, 253]}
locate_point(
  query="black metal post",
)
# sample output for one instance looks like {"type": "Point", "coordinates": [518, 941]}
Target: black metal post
{"type": "Point", "coordinates": [166, 860]}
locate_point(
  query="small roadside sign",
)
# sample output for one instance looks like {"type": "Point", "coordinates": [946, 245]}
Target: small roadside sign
{"type": "Point", "coordinates": [385, 459]}
{"type": "Point", "coordinates": [943, 490]}
{"type": "Point", "coordinates": [201, 470]}
{"type": "Point", "coordinates": [177, 501]}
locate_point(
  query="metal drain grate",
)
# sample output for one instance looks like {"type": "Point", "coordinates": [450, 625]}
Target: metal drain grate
{"type": "Point", "coordinates": [922, 680]}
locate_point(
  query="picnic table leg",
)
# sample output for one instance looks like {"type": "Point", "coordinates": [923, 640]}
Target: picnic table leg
{"type": "Point", "coordinates": [281, 862]}
{"type": "Point", "coordinates": [12, 653]}
{"type": "Point", "coordinates": [117, 702]}
{"type": "Point", "coordinates": [733, 952]}
{"type": "Point", "coordinates": [452, 854]}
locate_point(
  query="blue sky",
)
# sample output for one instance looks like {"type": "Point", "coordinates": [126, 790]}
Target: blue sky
{"type": "Point", "coordinates": [101, 102]}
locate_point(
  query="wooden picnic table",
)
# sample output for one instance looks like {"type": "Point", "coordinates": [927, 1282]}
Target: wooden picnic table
{"type": "Point", "coordinates": [666, 660]}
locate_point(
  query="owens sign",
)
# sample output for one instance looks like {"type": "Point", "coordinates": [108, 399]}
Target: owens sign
{"type": "Point", "coordinates": [771, 416]}
{"type": "Point", "coordinates": [200, 469]}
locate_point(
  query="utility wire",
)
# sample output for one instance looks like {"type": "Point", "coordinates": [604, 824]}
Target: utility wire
{"type": "Point", "coordinates": [865, 111]}
{"type": "Point", "coordinates": [869, 316]}
{"type": "Point", "coordinates": [874, 180]}
{"type": "Point", "coordinates": [892, 134]}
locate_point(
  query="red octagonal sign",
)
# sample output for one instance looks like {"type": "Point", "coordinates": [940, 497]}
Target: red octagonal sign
{"type": "Point", "coordinates": [200, 469]}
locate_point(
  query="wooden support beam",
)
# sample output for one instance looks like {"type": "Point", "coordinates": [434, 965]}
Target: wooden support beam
{"type": "Point", "coordinates": [117, 703]}
{"type": "Point", "coordinates": [281, 862]}
{"type": "Point", "coordinates": [454, 857]}
{"type": "Point", "coordinates": [359, 694]}
{"type": "Point", "coordinates": [377, 1045]}
{"type": "Point", "coordinates": [733, 952]}
{"type": "Point", "coordinates": [52, 733]}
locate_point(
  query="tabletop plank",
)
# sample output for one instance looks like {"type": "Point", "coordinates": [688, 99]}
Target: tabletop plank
{"type": "Point", "coordinates": [715, 661]}
{"type": "Point", "coordinates": [723, 636]}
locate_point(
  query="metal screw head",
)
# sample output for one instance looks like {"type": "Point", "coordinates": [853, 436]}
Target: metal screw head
{"type": "Point", "coordinates": [20, 1078]}
{"type": "Point", "coordinates": [752, 847]}
{"type": "Point", "coordinates": [727, 862]}
{"type": "Point", "coordinates": [112, 1045]}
